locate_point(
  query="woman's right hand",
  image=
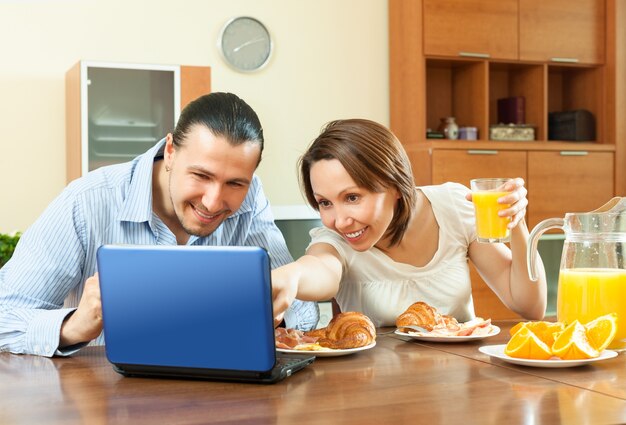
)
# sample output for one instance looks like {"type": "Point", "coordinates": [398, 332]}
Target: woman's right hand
{"type": "Point", "coordinates": [284, 289]}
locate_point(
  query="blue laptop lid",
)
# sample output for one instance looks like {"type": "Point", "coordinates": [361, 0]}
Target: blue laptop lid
{"type": "Point", "coordinates": [187, 306]}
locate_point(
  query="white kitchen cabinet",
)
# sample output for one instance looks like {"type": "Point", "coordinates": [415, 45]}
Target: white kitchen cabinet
{"type": "Point", "coordinates": [116, 111]}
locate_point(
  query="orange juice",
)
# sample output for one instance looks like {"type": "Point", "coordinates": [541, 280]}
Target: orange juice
{"type": "Point", "coordinates": [489, 226]}
{"type": "Point", "coordinates": [586, 294]}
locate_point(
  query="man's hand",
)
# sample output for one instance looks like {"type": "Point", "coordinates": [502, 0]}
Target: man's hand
{"type": "Point", "coordinates": [85, 323]}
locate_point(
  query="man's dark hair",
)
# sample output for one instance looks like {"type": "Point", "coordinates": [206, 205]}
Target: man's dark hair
{"type": "Point", "coordinates": [225, 114]}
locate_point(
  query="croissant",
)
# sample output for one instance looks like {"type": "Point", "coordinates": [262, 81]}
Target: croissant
{"type": "Point", "coordinates": [422, 314]}
{"type": "Point", "coordinates": [346, 330]}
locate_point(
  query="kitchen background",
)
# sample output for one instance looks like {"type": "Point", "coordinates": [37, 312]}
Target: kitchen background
{"type": "Point", "coordinates": [330, 61]}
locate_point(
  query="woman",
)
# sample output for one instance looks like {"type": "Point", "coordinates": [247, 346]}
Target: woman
{"type": "Point", "coordinates": [386, 244]}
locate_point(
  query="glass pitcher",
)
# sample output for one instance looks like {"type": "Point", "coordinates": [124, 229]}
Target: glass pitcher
{"type": "Point", "coordinates": [592, 275]}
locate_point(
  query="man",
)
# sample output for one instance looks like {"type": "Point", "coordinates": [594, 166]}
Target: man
{"type": "Point", "coordinates": [195, 187]}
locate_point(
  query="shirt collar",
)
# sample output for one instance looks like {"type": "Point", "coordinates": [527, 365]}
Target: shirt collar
{"type": "Point", "coordinates": [138, 203]}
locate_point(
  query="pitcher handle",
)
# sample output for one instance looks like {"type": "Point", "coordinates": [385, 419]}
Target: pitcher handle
{"type": "Point", "coordinates": [533, 240]}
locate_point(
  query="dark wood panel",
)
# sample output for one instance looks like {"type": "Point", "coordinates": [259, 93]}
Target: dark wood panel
{"type": "Point", "coordinates": [195, 81]}
{"type": "Point", "coordinates": [454, 26]}
{"type": "Point", "coordinates": [72, 123]}
{"type": "Point", "coordinates": [406, 71]}
{"type": "Point", "coordinates": [562, 28]}
{"type": "Point", "coordinates": [559, 183]}
{"type": "Point", "coordinates": [463, 165]}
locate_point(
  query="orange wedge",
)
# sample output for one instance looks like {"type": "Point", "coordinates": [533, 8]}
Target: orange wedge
{"type": "Point", "coordinates": [517, 327]}
{"type": "Point", "coordinates": [573, 344]}
{"type": "Point", "coordinates": [601, 331]}
{"type": "Point", "coordinates": [545, 331]}
{"type": "Point", "coordinates": [526, 345]}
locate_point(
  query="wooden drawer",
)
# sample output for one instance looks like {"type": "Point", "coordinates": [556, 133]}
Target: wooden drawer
{"type": "Point", "coordinates": [562, 30]}
{"type": "Point", "coordinates": [463, 165]}
{"type": "Point", "coordinates": [568, 181]}
{"type": "Point", "coordinates": [460, 27]}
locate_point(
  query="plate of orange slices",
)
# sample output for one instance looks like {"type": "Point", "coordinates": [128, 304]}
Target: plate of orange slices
{"type": "Point", "coordinates": [497, 351]}
{"type": "Point", "coordinates": [556, 344]}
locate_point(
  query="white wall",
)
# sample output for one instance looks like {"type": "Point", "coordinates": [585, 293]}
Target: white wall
{"type": "Point", "coordinates": [330, 61]}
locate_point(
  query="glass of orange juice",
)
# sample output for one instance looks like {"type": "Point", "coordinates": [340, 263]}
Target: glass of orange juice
{"type": "Point", "coordinates": [490, 227]}
{"type": "Point", "coordinates": [585, 294]}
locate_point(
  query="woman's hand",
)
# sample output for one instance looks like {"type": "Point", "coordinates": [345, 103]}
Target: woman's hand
{"type": "Point", "coordinates": [284, 290]}
{"type": "Point", "coordinates": [516, 199]}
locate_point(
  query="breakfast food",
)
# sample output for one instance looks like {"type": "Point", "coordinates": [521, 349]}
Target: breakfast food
{"type": "Point", "coordinates": [425, 316]}
{"type": "Point", "coordinates": [293, 339]}
{"type": "Point", "coordinates": [346, 330]}
{"type": "Point", "coordinates": [545, 331]}
{"type": "Point", "coordinates": [554, 340]}
{"type": "Point", "coordinates": [419, 314]}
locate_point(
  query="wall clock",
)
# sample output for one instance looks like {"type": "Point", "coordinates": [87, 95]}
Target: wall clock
{"type": "Point", "coordinates": [245, 43]}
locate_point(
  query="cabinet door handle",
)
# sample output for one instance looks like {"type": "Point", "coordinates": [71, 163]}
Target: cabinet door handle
{"type": "Point", "coordinates": [481, 152]}
{"type": "Point", "coordinates": [475, 55]}
{"type": "Point", "coordinates": [565, 60]}
{"type": "Point", "coordinates": [574, 153]}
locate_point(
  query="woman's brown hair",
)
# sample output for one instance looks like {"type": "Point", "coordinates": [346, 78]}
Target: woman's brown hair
{"type": "Point", "coordinates": [373, 157]}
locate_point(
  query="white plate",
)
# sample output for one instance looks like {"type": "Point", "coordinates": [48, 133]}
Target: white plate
{"type": "Point", "coordinates": [452, 338]}
{"type": "Point", "coordinates": [329, 352]}
{"type": "Point", "coordinates": [497, 351]}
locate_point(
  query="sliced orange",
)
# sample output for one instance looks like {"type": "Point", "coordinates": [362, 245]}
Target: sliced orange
{"type": "Point", "coordinates": [526, 345]}
{"type": "Point", "coordinates": [573, 344]}
{"type": "Point", "coordinates": [545, 331]}
{"type": "Point", "coordinates": [548, 331]}
{"type": "Point", "coordinates": [602, 330]}
{"type": "Point", "coordinates": [517, 327]}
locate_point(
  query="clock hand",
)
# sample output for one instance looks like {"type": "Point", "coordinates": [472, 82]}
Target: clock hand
{"type": "Point", "coordinates": [247, 43]}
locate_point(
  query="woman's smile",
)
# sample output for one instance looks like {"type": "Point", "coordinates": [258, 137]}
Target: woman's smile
{"type": "Point", "coordinates": [355, 236]}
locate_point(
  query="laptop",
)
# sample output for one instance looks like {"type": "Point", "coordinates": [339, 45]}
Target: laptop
{"type": "Point", "coordinates": [191, 312]}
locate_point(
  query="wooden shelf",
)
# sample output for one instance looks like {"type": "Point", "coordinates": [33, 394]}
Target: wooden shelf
{"type": "Point", "coordinates": [527, 46]}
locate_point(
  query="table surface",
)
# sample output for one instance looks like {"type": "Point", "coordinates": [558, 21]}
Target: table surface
{"type": "Point", "coordinates": [398, 381]}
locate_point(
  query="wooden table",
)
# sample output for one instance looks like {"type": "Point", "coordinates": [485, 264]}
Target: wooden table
{"type": "Point", "coordinates": [395, 382]}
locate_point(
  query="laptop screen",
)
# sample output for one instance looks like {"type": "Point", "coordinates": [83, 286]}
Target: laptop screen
{"type": "Point", "coordinates": [187, 306]}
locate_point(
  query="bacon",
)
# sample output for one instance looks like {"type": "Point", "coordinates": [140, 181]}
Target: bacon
{"type": "Point", "coordinates": [472, 327]}
{"type": "Point", "coordinates": [291, 338]}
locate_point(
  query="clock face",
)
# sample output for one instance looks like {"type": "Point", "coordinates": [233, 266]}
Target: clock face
{"type": "Point", "coordinates": [245, 44]}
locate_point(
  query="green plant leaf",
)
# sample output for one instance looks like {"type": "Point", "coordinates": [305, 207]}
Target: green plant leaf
{"type": "Point", "coordinates": [7, 246]}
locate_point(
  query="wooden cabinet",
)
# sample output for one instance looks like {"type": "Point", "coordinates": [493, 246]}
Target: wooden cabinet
{"type": "Point", "coordinates": [469, 89]}
{"type": "Point", "coordinates": [116, 111]}
{"type": "Point", "coordinates": [463, 165]}
{"type": "Point", "coordinates": [562, 30]}
{"type": "Point", "coordinates": [467, 28]}
{"type": "Point", "coordinates": [568, 181]}
{"type": "Point", "coordinates": [429, 80]}
{"type": "Point", "coordinates": [571, 31]}
{"type": "Point", "coordinates": [557, 181]}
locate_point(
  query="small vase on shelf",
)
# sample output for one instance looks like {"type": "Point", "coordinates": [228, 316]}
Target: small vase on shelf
{"type": "Point", "coordinates": [449, 128]}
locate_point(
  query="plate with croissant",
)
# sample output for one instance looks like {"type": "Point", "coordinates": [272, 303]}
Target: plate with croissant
{"type": "Point", "coordinates": [346, 333]}
{"type": "Point", "coordinates": [423, 322]}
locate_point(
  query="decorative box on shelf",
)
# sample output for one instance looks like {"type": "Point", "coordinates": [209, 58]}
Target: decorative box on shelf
{"type": "Point", "coordinates": [515, 132]}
